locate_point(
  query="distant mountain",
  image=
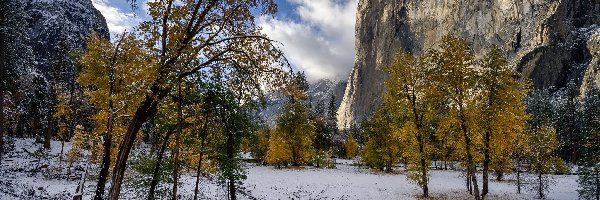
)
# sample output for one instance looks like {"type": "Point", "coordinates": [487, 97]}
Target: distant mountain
{"type": "Point", "coordinates": [319, 91]}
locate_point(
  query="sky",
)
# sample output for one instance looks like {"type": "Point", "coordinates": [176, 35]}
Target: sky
{"type": "Point", "coordinates": [316, 36]}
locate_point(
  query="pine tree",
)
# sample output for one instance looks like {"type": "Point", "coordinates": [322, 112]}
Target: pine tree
{"type": "Point", "coordinates": [503, 113]}
{"type": "Point", "coordinates": [408, 94]}
{"type": "Point", "coordinates": [568, 122]}
{"type": "Point", "coordinates": [15, 56]}
{"type": "Point", "coordinates": [589, 165]}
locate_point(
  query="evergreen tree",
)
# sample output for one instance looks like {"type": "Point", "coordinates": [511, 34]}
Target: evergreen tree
{"type": "Point", "coordinates": [568, 123]}
{"type": "Point", "coordinates": [14, 56]}
{"type": "Point", "coordinates": [589, 164]}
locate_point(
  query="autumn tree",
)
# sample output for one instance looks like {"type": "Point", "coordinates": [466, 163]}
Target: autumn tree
{"type": "Point", "coordinates": [382, 149]}
{"type": "Point", "coordinates": [117, 76]}
{"type": "Point", "coordinates": [539, 152]}
{"type": "Point", "coordinates": [191, 36]}
{"type": "Point", "coordinates": [454, 79]}
{"type": "Point", "coordinates": [408, 96]}
{"type": "Point", "coordinates": [503, 113]}
{"type": "Point", "coordinates": [296, 131]}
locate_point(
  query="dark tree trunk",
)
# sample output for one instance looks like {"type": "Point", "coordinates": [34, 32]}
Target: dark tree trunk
{"type": "Point", "coordinates": [597, 177]}
{"type": "Point", "coordinates": [540, 185]}
{"type": "Point", "coordinates": [470, 163]}
{"type": "Point", "coordinates": [230, 156]}
{"type": "Point", "coordinates": [145, 110]}
{"type": "Point", "coordinates": [177, 140]}
{"type": "Point", "coordinates": [48, 135]}
{"type": "Point", "coordinates": [199, 170]}
{"type": "Point", "coordinates": [106, 147]}
{"type": "Point", "coordinates": [3, 86]}
{"type": "Point", "coordinates": [159, 158]}
{"type": "Point", "coordinates": [486, 162]}
{"type": "Point", "coordinates": [518, 179]}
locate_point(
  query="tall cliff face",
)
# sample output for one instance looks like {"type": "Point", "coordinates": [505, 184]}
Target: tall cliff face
{"type": "Point", "coordinates": [48, 19]}
{"type": "Point", "coordinates": [549, 41]}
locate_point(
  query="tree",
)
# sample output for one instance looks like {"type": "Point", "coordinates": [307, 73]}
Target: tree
{"type": "Point", "coordinates": [195, 35]}
{"type": "Point", "coordinates": [351, 147]}
{"type": "Point", "coordinates": [541, 144]}
{"type": "Point", "coordinates": [115, 80]}
{"type": "Point", "coordinates": [15, 56]}
{"type": "Point", "coordinates": [503, 113]}
{"type": "Point", "coordinates": [568, 122]}
{"type": "Point", "coordinates": [454, 78]}
{"type": "Point", "coordinates": [589, 165]}
{"type": "Point", "coordinates": [296, 130]}
{"type": "Point", "coordinates": [408, 95]}
{"type": "Point", "coordinates": [382, 149]}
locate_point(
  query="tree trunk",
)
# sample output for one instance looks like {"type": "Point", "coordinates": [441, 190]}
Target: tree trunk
{"type": "Point", "coordinates": [159, 158]}
{"type": "Point", "coordinates": [177, 140]}
{"type": "Point", "coordinates": [470, 163]}
{"type": "Point", "coordinates": [145, 110]}
{"type": "Point", "coordinates": [518, 178]}
{"type": "Point", "coordinates": [199, 170]}
{"type": "Point", "coordinates": [48, 135]}
{"type": "Point", "coordinates": [3, 87]}
{"type": "Point", "coordinates": [230, 156]}
{"type": "Point", "coordinates": [597, 177]}
{"type": "Point", "coordinates": [486, 162]}
{"type": "Point", "coordinates": [540, 186]}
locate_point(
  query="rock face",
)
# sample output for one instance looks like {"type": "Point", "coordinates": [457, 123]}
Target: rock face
{"type": "Point", "coordinates": [48, 19]}
{"type": "Point", "coordinates": [549, 41]}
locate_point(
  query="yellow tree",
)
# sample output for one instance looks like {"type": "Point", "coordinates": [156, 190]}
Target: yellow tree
{"type": "Point", "coordinates": [503, 115]}
{"type": "Point", "coordinates": [454, 78]}
{"type": "Point", "coordinates": [539, 152]}
{"type": "Point", "coordinates": [189, 36]}
{"type": "Point", "coordinates": [279, 151]}
{"type": "Point", "coordinates": [351, 147]}
{"type": "Point", "coordinates": [408, 96]}
{"type": "Point", "coordinates": [117, 76]}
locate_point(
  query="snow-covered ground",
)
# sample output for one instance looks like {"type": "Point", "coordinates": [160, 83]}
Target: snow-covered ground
{"type": "Point", "coordinates": [347, 181]}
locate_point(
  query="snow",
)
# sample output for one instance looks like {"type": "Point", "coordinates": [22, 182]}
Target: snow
{"type": "Point", "coordinates": [347, 181]}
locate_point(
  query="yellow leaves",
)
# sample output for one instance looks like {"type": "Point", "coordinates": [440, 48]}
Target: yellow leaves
{"type": "Point", "coordinates": [279, 150]}
{"type": "Point", "coordinates": [351, 147]}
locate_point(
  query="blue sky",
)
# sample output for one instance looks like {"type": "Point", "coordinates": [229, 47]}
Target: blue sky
{"type": "Point", "coordinates": [317, 36]}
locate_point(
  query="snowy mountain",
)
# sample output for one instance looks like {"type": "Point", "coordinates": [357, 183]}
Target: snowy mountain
{"type": "Point", "coordinates": [319, 91]}
{"type": "Point", "coordinates": [48, 19]}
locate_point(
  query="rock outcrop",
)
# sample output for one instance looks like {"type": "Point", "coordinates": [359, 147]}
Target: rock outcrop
{"type": "Point", "coordinates": [550, 41]}
{"type": "Point", "coordinates": [48, 19]}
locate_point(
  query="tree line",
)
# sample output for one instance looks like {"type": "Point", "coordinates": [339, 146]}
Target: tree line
{"type": "Point", "coordinates": [446, 105]}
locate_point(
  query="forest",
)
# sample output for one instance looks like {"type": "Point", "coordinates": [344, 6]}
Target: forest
{"type": "Point", "coordinates": [178, 99]}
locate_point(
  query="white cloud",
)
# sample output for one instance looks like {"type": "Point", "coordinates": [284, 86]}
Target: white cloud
{"type": "Point", "coordinates": [116, 19]}
{"type": "Point", "coordinates": [321, 42]}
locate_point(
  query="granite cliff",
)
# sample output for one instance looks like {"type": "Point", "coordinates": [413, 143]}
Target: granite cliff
{"type": "Point", "coordinates": [550, 41]}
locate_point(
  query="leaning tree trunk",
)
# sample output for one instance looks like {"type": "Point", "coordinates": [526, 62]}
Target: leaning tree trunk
{"type": "Point", "coordinates": [145, 110]}
{"type": "Point", "coordinates": [107, 137]}
{"type": "Point", "coordinates": [159, 158]}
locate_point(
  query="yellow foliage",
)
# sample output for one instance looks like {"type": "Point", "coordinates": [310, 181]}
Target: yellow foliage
{"type": "Point", "coordinates": [279, 151]}
{"type": "Point", "coordinates": [351, 147]}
